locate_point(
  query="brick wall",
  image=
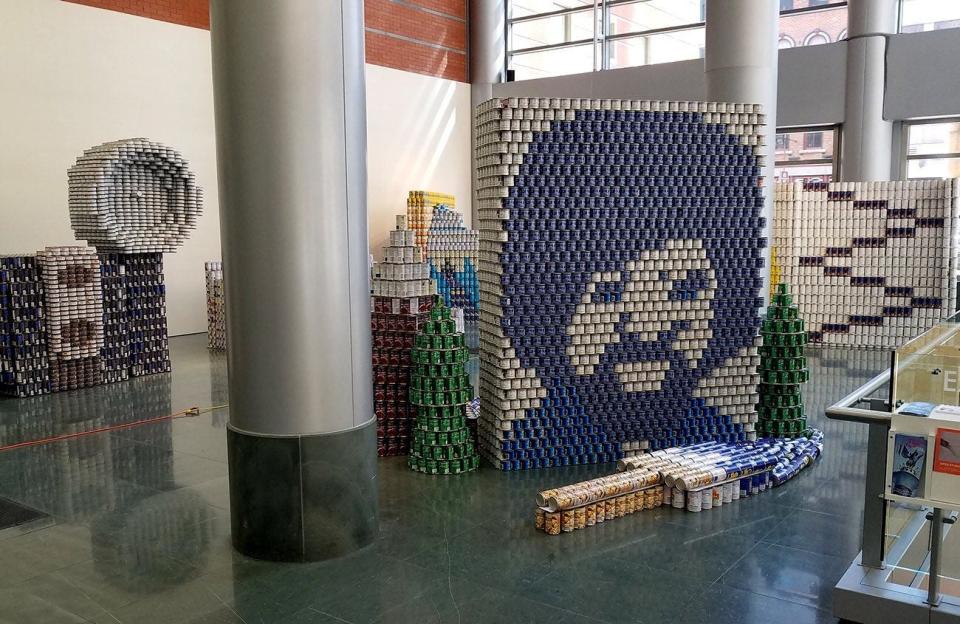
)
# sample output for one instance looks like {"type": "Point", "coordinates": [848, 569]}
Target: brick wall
{"type": "Point", "coordinates": [422, 36]}
{"type": "Point", "coordinates": [193, 13]}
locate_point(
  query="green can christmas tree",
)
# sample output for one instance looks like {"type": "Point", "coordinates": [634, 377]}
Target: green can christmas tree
{"type": "Point", "coordinates": [783, 369]}
{"type": "Point", "coordinates": [440, 390]}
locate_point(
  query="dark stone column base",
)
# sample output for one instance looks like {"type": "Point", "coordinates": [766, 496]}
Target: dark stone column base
{"type": "Point", "coordinates": [303, 498]}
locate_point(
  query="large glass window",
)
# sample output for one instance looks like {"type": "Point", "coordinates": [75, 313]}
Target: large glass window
{"type": "Point", "coordinates": [932, 148]}
{"type": "Point", "coordinates": [813, 22]}
{"type": "Point", "coordinates": [922, 15]}
{"type": "Point", "coordinates": [807, 154]}
{"type": "Point", "coordinates": [553, 37]}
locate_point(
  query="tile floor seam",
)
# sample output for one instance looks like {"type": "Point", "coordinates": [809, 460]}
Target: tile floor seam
{"type": "Point", "coordinates": [735, 563]}
{"type": "Point", "coordinates": [330, 615]}
{"type": "Point", "coordinates": [780, 597]}
{"type": "Point", "coordinates": [171, 451]}
{"type": "Point", "coordinates": [807, 550]}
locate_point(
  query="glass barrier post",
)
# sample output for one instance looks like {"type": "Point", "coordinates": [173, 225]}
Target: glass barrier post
{"type": "Point", "coordinates": [874, 504]}
{"type": "Point", "coordinates": [936, 543]}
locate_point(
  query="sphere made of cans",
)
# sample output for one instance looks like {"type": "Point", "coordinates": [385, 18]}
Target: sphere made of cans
{"type": "Point", "coordinates": [133, 196]}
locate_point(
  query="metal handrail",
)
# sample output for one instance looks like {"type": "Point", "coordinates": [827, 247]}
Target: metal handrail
{"type": "Point", "coordinates": [842, 410]}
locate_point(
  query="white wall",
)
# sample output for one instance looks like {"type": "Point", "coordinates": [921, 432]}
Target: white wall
{"type": "Point", "coordinates": [73, 77]}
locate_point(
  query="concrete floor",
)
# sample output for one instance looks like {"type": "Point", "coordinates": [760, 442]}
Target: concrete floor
{"type": "Point", "coordinates": [140, 529]}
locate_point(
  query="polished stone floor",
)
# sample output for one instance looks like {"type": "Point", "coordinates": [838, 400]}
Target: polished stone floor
{"type": "Point", "coordinates": [139, 529]}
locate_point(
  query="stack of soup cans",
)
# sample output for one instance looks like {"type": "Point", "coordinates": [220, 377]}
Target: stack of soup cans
{"type": "Point", "coordinates": [783, 368]}
{"type": "Point", "coordinates": [403, 296]}
{"type": "Point", "coordinates": [216, 307]}
{"type": "Point", "coordinates": [871, 264]}
{"type": "Point", "coordinates": [621, 252]}
{"type": "Point", "coordinates": [588, 503]}
{"type": "Point", "coordinates": [74, 306]}
{"type": "Point", "coordinates": [452, 254]}
{"type": "Point", "coordinates": [24, 367]}
{"type": "Point", "coordinates": [115, 354]}
{"type": "Point", "coordinates": [420, 205]}
{"type": "Point", "coordinates": [440, 391]}
{"type": "Point", "coordinates": [147, 305]}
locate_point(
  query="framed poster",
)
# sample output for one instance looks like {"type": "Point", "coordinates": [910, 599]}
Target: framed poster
{"type": "Point", "coordinates": [909, 459]}
{"type": "Point", "coordinates": [946, 457]}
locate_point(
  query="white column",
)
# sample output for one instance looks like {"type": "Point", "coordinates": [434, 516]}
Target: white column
{"type": "Point", "coordinates": [488, 53]}
{"type": "Point", "coordinates": [741, 66]}
{"type": "Point", "coordinates": [867, 136]}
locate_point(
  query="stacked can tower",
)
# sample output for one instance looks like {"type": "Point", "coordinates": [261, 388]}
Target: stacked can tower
{"type": "Point", "coordinates": [420, 205]}
{"type": "Point", "coordinates": [440, 391]}
{"type": "Point", "coordinates": [147, 305]}
{"type": "Point", "coordinates": [783, 369]}
{"type": "Point", "coordinates": [24, 367]}
{"type": "Point", "coordinates": [620, 276]}
{"type": "Point", "coordinates": [403, 296]}
{"type": "Point", "coordinates": [216, 307]}
{"type": "Point", "coordinates": [74, 306]}
{"type": "Point", "coordinates": [871, 264]}
{"type": "Point", "coordinates": [115, 355]}
{"type": "Point", "coordinates": [451, 251]}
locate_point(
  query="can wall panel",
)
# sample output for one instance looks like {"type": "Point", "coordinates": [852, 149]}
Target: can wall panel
{"type": "Point", "coordinates": [621, 253]}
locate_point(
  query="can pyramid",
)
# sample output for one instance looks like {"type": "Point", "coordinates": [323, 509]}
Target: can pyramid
{"type": "Point", "coordinates": [783, 368]}
{"type": "Point", "coordinates": [440, 389]}
{"type": "Point", "coordinates": [403, 295]}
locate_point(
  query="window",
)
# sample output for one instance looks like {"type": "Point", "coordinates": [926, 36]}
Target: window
{"type": "Point", "coordinates": [554, 37]}
{"type": "Point", "coordinates": [812, 140]}
{"type": "Point", "coordinates": [923, 15]}
{"type": "Point", "coordinates": [814, 23]}
{"type": "Point", "coordinates": [807, 154]}
{"type": "Point", "coordinates": [932, 148]}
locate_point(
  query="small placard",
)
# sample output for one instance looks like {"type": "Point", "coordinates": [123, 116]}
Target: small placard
{"type": "Point", "coordinates": [946, 457]}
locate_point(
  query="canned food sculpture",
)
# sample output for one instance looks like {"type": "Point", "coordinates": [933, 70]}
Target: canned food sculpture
{"type": "Point", "coordinates": [783, 368]}
{"type": "Point", "coordinates": [420, 205]}
{"type": "Point", "coordinates": [451, 251]}
{"type": "Point", "coordinates": [100, 315]}
{"type": "Point", "coordinates": [440, 390]}
{"type": "Point", "coordinates": [403, 296]}
{"type": "Point", "coordinates": [216, 307]}
{"type": "Point", "coordinates": [620, 257]}
{"type": "Point", "coordinates": [871, 264]}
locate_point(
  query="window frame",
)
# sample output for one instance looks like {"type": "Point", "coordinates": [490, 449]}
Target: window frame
{"type": "Point", "coordinates": [600, 40]}
{"type": "Point", "coordinates": [833, 160]}
{"type": "Point", "coordinates": [906, 157]}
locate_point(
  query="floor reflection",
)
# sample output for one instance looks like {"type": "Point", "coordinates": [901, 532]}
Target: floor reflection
{"type": "Point", "coordinates": [142, 529]}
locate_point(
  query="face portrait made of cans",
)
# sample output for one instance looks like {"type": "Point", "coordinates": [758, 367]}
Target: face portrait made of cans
{"type": "Point", "coordinates": [632, 278]}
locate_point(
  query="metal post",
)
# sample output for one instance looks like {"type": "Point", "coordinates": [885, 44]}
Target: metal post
{"type": "Point", "coordinates": [936, 543]}
{"type": "Point", "coordinates": [291, 150]}
{"type": "Point", "coordinates": [874, 505]}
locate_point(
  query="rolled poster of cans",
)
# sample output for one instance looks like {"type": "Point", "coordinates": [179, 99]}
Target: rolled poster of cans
{"type": "Point", "coordinates": [871, 264]}
{"type": "Point", "coordinates": [24, 364]}
{"type": "Point", "coordinates": [568, 508]}
{"type": "Point", "coordinates": [216, 307]}
{"type": "Point", "coordinates": [621, 253]}
{"type": "Point", "coordinates": [133, 196]}
{"type": "Point", "coordinates": [402, 298]}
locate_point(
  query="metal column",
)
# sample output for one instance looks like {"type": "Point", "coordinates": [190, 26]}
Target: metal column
{"type": "Point", "coordinates": [741, 66]}
{"type": "Point", "coordinates": [867, 136]}
{"type": "Point", "coordinates": [291, 146]}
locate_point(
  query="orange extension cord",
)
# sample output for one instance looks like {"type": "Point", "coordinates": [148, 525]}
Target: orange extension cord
{"type": "Point", "coordinates": [190, 412]}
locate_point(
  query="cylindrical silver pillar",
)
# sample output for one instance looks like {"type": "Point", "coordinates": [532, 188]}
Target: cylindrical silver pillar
{"type": "Point", "coordinates": [291, 146]}
{"type": "Point", "coordinates": [740, 62]}
{"type": "Point", "coordinates": [488, 53]}
{"type": "Point", "coordinates": [867, 136]}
